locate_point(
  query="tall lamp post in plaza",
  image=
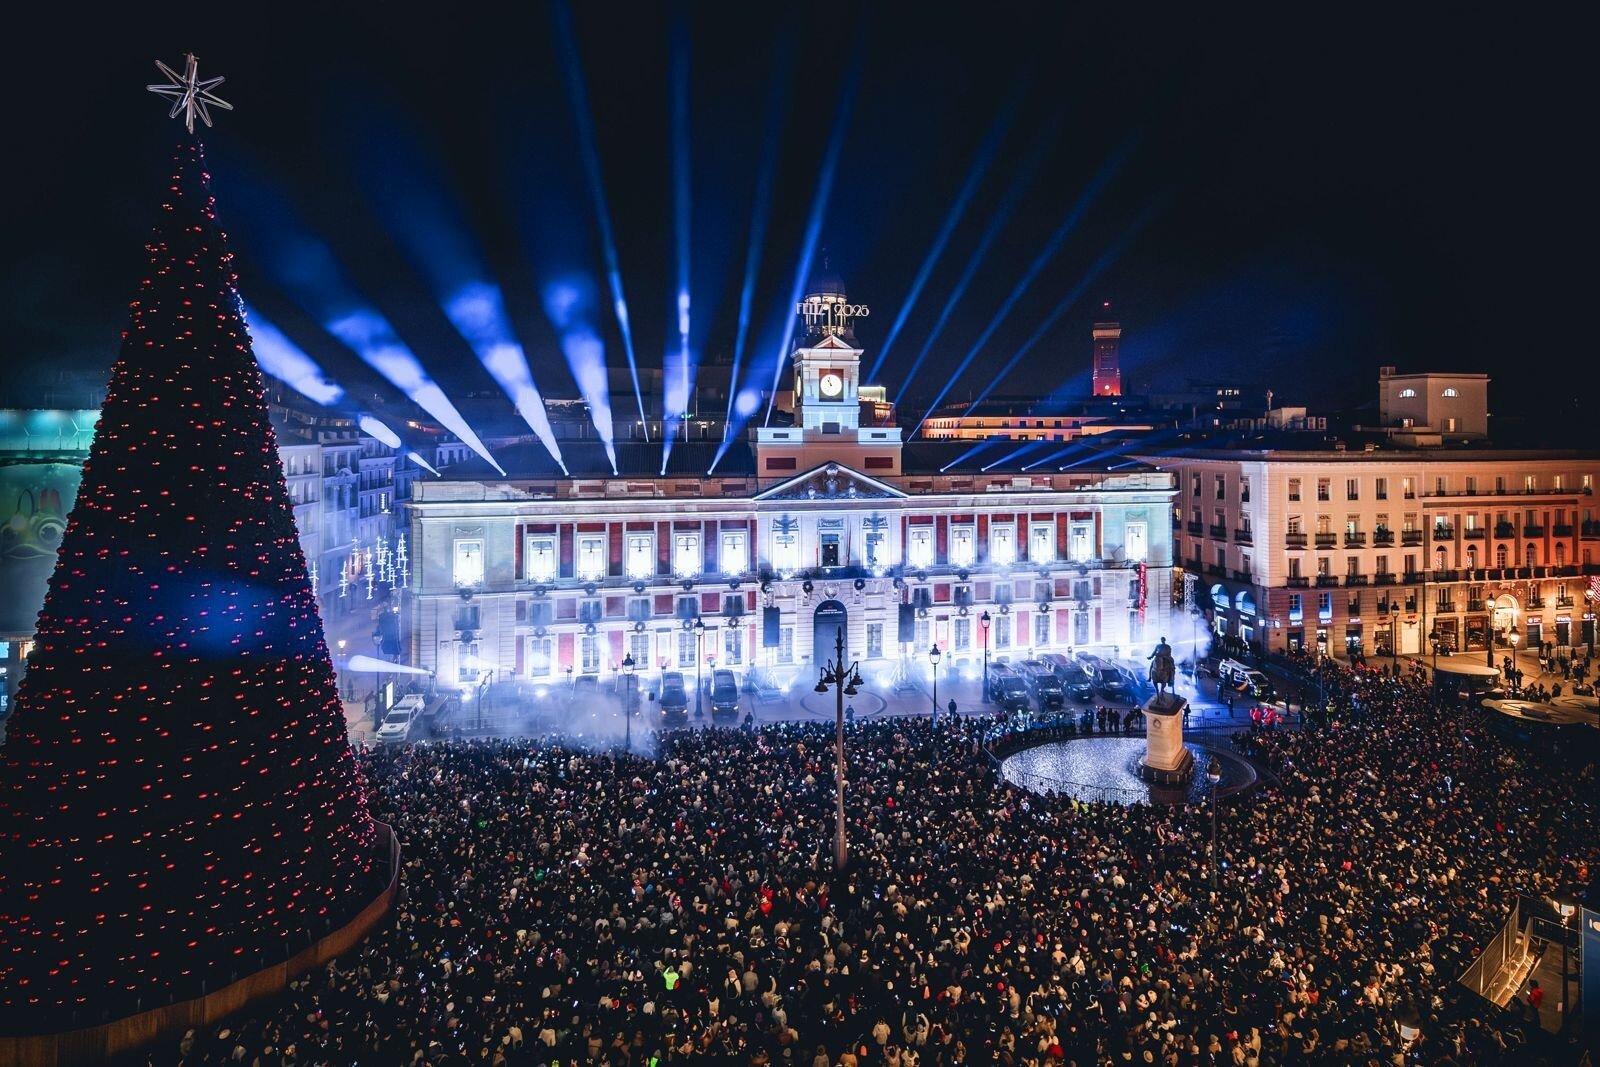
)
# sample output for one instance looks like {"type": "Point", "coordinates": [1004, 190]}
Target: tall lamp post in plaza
{"type": "Point", "coordinates": [344, 682]}
{"type": "Point", "coordinates": [627, 702]}
{"type": "Point", "coordinates": [934, 656]}
{"type": "Point", "coordinates": [1214, 776]}
{"type": "Point", "coordinates": [699, 668]}
{"type": "Point", "coordinates": [983, 624]}
{"type": "Point", "coordinates": [845, 679]}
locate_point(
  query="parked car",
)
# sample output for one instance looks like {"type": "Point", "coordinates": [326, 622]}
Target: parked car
{"type": "Point", "coordinates": [397, 725]}
{"type": "Point", "coordinates": [1042, 680]}
{"type": "Point", "coordinates": [1113, 682]}
{"type": "Point", "coordinates": [724, 695]}
{"type": "Point", "coordinates": [674, 698]}
{"type": "Point", "coordinates": [1009, 689]}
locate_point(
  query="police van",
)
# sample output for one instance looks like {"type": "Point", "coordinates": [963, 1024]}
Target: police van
{"type": "Point", "coordinates": [1242, 677]}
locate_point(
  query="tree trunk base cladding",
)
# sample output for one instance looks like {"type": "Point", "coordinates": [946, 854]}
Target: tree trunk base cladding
{"type": "Point", "coordinates": [1166, 761]}
{"type": "Point", "coordinates": [97, 1044]}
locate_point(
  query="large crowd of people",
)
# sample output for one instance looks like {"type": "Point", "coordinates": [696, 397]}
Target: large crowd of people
{"type": "Point", "coordinates": [570, 907]}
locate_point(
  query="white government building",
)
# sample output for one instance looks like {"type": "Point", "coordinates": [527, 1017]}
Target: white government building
{"type": "Point", "coordinates": [826, 522]}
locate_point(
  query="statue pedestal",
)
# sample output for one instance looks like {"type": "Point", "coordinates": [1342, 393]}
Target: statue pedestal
{"type": "Point", "coordinates": [1166, 761]}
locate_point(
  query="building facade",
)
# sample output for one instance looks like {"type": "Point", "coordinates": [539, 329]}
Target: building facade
{"type": "Point", "coordinates": [1377, 550]}
{"type": "Point", "coordinates": [837, 526]}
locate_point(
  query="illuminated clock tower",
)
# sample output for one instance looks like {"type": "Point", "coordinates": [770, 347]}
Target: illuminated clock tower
{"type": "Point", "coordinates": [827, 394]}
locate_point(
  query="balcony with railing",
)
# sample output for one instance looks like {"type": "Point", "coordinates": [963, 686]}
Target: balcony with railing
{"type": "Point", "coordinates": [1410, 538]}
{"type": "Point", "coordinates": [1504, 530]}
{"type": "Point", "coordinates": [1444, 607]}
{"type": "Point", "coordinates": [1297, 581]}
{"type": "Point", "coordinates": [1532, 530]}
{"type": "Point", "coordinates": [1382, 538]}
{"type": "Point", "coordinates": [1243, 537]}
{"type": "Point", "coordinates": [1590, 528]}
{"type": "Point", "coordinates": [1327, 581]}
{"type": "Point", "coordinates": [1355, 579]}
{"type": "Point", "coordinates": [1412, 577]}
{"type": "Point", "coordinates": [1294, 539]}
{"type": "Point", "coordinates": [1355, 539]}
{"type": "Point", "coordinates": [1446, 576]}
{"type": "Point", "coordinates": [1561, 529]}
{"type": "Point", "coordinates": [1535, 602]}
{"type": "Point", "coordinates": [1474, 533]}
{"type": "Point", "coordinates": [1195, 528]}
{"type": "Point", "coordinates": [1443, 531]}
{"type": "Point", "coordinates": [1474, 605]}
{"type": "Point", "coordinates": [1383, 578]}
{"type": "Point", "coordinates": [1192, 566]}
{"type": "Point", "coordinates": [1563, 602]}
{"type": "Point", "coordinates": [1216, 568]}
{"type": "Point", "coordinates": [1218, 530]}
{"type": "Point", "coordinates": [1241, 576]}
{"type": "Point", "coordinates": [1327, 540]}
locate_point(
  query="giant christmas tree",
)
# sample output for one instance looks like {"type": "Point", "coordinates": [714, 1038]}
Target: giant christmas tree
{"type": "Point", "coordinates": [178, 800]}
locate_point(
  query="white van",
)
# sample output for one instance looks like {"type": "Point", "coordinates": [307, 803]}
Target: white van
{"type": "Point", "coordinates": [1242, 676]}
{"type": "Point", "coordinates": [397, 725]}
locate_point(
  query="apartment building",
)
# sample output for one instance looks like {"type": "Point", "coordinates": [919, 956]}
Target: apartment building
{"type": "Point", "coordinates": [1375, 550]}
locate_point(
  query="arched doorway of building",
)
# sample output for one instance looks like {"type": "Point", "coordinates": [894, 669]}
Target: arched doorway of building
{"type": "Point", "coordinates": [827, 624]}
{"type": "Point", "coordinates": [1505, 614]}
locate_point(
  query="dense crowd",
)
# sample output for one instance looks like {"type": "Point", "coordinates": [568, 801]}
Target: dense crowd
{"type": "Point", "coordinates": [565, 907]}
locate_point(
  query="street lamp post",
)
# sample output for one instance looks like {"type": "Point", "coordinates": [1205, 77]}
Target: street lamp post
{"type": "Point", "coordinates": [845, 678]}
{"type": "Point", "coordinates": [983, 624]}
{"type": "Point", "coordinates": [627, 702]}
{"type": "Point", "coordinates": [344, 682]}
{"type": "Point", "coordinates": [1214, 776]}
{"type": "Point", "coordinates": [933, 657]}
{"type": "Point", "coordinates": [699, 668]}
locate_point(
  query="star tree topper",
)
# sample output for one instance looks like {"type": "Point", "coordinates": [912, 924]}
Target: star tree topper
{"type": "Point", "coordinates": [189, 94]}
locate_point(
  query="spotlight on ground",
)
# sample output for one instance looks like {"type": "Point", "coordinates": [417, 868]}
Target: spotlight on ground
{"type": "Point", "coordinates": [286, 361]}
{"type": "Point", "coordinates": [588, 150]}
{"type": "Point", "coordinates": [478, 312]}
{"type": "Point", "coordinates": [370, 336]}
{"type": "Point", "coordinates": [1091, 192]}
{"type": "Point", "coordinates": [819, 210]}
{"type": "Point", "coordinates": [1097, 268]}
{"type": "Point", "coordinates": [958, 209]}
{"type": "Point", "coordinates": [760, 212]}
{"type": "Point", "coordinates": [570, 305]}
{"type": "Point", "coordinates": [1002, 214]}
{"type": "Point", "coordinates": [969, 453]}
{"type": "Point", "coordinates": [378, 431]}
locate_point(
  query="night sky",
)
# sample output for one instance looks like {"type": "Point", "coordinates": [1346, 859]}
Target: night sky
{"type": "Point", "coordinates": [1296, 203]}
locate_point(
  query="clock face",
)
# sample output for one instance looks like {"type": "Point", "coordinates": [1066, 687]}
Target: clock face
{"type": "Point", "coordinates": [831, 384]}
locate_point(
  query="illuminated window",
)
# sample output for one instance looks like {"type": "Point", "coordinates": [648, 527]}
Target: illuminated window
{"type": "Point", "coordinates": [685, 553]}
{"type": "Point", "coordinates": [1042, 542]}
{"type": "Point", "coordinates": [539, 657]}
{"type": "Point", "coordinates": [1003, 544]}
{"type": "Point", "coordinates": [591, 557]}
{"type": "Point", "coordinates": [733, 646]}
{"type": "Point", "coordinates": [591, 654]}
{"type": "Point", "coordinates": [962, 544]}
{"type": "Point", "coordinates": [639, 552]}
{"type": "Point", "coordinates": [541, 558]}
{"type": "Point", "coordinates": [872, 540]}
{"type": "Point", "coordinates": [735, 555]}
{"type": "Point", "coordinates": [1041, 628]}
{"type": "Point", "coordinates": [1407, 394]}
{"type": "Point", "coordinates": [1450, 392]}
{"type": "Point", "coordinates": [1137, 541]}
{"type": "Point", "coordinates": [469, 562]}
{"type": "Point", "coordinates": [1080, 542]}
{"type": "Point", "coordinates": [785, 551]}
{"type": "Point", "coordinates": [919, 550]}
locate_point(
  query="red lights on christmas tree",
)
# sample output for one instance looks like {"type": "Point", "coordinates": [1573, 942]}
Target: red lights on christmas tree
{"type": "Point", "coordinates": [178, 800]}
